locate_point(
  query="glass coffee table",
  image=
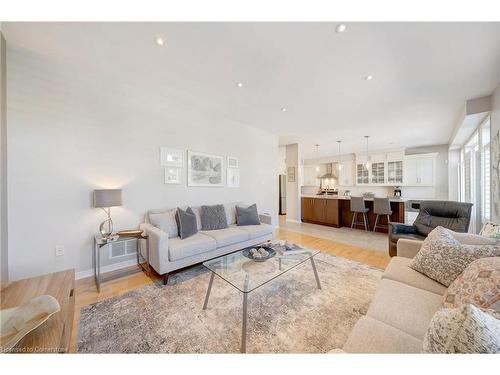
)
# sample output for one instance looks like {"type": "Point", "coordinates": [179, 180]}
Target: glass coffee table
{"type": "Point", "coordinates": [246, 274]}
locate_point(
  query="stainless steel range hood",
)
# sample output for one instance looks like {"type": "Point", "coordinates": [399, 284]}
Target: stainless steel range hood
{"type": "Point", "coordinates": [331, 172]}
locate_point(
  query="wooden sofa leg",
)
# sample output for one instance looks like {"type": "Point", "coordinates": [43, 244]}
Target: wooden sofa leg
{"type": "Point", "coordinates": [165, 279]}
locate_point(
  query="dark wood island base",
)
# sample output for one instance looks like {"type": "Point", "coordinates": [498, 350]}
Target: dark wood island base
{"type": "Point", "coordinates": [336, 212]}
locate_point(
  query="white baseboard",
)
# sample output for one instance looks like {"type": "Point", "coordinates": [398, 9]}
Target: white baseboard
{"type": "Point", "coordinates": [104, 269]}
{"type": "Point", "coordinates": [293, 221]}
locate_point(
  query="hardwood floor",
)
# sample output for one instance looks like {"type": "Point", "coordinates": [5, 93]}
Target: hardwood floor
{"type": "Point", "coordinates": [86, 293]}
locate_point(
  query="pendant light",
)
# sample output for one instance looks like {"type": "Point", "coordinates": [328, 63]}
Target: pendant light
{"type": "Point", "coordinates": [367, 164]}
{"type": "Point", "coordinates": [340, 156]}
{"type": "Point", "coordinates": [317, 159]}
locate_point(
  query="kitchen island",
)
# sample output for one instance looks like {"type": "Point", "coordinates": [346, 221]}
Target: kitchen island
{"type": "Point", "coordinates": [335, 211]}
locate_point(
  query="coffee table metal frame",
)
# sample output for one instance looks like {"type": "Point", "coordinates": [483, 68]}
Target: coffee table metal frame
{"type": "Point", "coordinates": [245, 294]}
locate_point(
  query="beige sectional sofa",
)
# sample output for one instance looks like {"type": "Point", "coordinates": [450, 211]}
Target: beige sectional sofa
{"type": "Point", "coordinates": [170, 254]}
{"type": "Point", "coordinates": [401, 310]}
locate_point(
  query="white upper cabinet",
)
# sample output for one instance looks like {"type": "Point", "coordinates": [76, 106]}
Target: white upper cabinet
{"type": "Point", "coordinates": [311, 174]}
{"type": "Point", "coordinates": [385, 168]}
{"type": "Point", "coordinates": [362, 174]}
{"type": "Point", "coordinates": [420, 170]}
{"type": "Point", "coordinates": [346, 173]}
{"type": "Point", "coordinates": [395, 172]}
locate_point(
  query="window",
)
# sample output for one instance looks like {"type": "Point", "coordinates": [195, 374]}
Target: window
{"type": "Point", "coordinates": [485, 171]}
{"type": "Point", "coordinates": [475, 182]}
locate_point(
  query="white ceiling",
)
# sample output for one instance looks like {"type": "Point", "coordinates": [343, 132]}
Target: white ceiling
{"type": "Point", "coordinates": [424, 73]}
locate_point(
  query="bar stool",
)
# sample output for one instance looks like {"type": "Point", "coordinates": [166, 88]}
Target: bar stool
{"type": "Point", "coordinates": [381, 206]}
{"type": "Point", "coordinates": [358, 207]}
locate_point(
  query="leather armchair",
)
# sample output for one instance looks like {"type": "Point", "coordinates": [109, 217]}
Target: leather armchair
{"type": "Point", "coordinates": [448, 214]}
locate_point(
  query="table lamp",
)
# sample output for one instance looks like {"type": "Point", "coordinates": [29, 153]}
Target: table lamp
{"type": "Point", "coordinates": [105, 199]}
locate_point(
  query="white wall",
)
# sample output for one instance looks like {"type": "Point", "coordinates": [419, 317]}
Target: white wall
{"type": "Point", "coordinates": [4, 272]}
{"type": "Point", "coordinates": [71, 132]}
{"type": "Point", "coordinates": [293, 188]}
{"type": "Point", "coordinates": [495, 156]}
{"type": "Point", "coordinates": [282, 160]}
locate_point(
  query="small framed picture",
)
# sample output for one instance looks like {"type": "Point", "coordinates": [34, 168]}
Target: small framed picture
{"type": "Point", "coordinates": [291, 174]}
{"type": "Point", "coordinates": [170, 157]}
{"type": "Point", "coordinates": [172, 175]}
{"type": "Point", "coordinates": [232, 162]}
{"type": "Point", "coordinates": [233, 177]}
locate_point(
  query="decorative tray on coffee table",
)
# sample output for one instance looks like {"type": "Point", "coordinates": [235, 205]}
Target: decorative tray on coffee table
{"type": "Point", "coordinates": [248, 252]}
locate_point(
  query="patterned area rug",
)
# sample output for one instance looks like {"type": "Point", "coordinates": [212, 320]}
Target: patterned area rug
{"type": "Point", "coordinates": [287, 315]}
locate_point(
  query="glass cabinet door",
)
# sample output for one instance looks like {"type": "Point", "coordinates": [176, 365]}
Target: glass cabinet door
{"type": "Point", "coordinates": [395, 172]}
{"type": "Point", "coordinates": [378, 173]}
{"type": "Point", "coordinates": [362, 174]}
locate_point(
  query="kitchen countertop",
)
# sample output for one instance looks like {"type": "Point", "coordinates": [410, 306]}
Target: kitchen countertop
{"type": "Point", "coordinates": [392, 199]}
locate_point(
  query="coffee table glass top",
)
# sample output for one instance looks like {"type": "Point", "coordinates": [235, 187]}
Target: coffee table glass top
{"type": "Point", "coordinates": [246, 274]}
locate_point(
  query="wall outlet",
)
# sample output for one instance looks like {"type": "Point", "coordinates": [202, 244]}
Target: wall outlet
{"type": "Point", "coordinates": [59, 250]}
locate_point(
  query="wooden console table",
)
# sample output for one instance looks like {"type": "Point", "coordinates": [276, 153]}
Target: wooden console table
{"type": "Point", "coordinates": [54, 335]}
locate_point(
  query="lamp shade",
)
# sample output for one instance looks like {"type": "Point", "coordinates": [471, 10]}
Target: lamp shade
{"type": "Point", "coordinates": [107, 197]}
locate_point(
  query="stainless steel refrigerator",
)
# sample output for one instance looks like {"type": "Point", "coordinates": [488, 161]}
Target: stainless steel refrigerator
{"type": "Point", "coordinates": [282, 194]}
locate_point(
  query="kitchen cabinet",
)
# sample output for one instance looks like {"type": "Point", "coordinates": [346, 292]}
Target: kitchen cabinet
{"type": "Point", "coordinates": [395, 172]}
{"type": "Point", "coordinates": [307, 208]}
{"type": "Point", "coordinates": [362, 174]}
{"type": "Point", "coordinates": [378, 173]}
{"type": "Point", "coordinates": [336, 212]}
{"type": "Point", "coordinates": [332, 212]}
{"type": "Point", "coordinates": [419, 170]}
{"type": "Point", "coordinates": [346, 173]}
{"type": "Point", "coordinates": [319, 210]}
{"type": "Point", "coordinates": [385, 168]}
{"type": "Point", "coordinates": [311, 174]}
{"type": "Point", "coordinates": [313, 209]}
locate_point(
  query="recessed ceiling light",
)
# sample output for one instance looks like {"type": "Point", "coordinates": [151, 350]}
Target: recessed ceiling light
{"type": "Point", "coordinates": [341, 28]}
{"type": "Point", "coordinates": [239, 84]}
{"type": "Point", "coordinates": [368, 78]}
{"type": "Point", "coordinates": [283, 109]}
{"type": "Point", "coordinates": [159, 41]}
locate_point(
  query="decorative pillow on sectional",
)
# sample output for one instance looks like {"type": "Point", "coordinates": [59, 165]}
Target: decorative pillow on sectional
{"type": "Point", "coordinates": [490, 229]}
{"type": "Point", "coordinates": [468, 329]}
{"type": "Point", "coordinates": [247, 216]}
{"type": "Point", "coordinates": [479, 285]}
{"type": "Point", "coordinates": [187, 222]}
{"type": "Point", "coordinates": [474, 239]}
{"type": "Point", "coordinates": [165, 221]}
{"type": "Point", "coordinates": [443, 258]}
{"type": "Point", "coordinates": [213, 217]}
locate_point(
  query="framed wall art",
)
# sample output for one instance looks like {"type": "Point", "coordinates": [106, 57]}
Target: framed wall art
{"type": "Point", "coordinates": [172, 175]}
{"type": "Point", "coordinates": [171, 157]}
{"type": "Point", "coordinates": [233, 177]}
{"type": "Point", "coordinates": [232, 162]}
{"type": "Point", "coordinates": [205, 169]}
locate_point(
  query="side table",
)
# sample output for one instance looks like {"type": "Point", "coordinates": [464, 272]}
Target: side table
{"type": "Point", "coordinates": [100, 242]}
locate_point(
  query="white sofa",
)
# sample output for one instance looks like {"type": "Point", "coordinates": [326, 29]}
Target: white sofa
{"type": "Point", "coordinates": [170, 254]}
{"type": "Point", "coordinates": [401, 310]}
{"type": "Point", "coordinates": [403, 305]}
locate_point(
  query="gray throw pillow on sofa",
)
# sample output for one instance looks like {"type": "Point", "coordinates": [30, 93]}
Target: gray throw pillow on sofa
{"type": "Point", "coordinates": [186, 220]}
{"type": "Point", "coordinates": [213, 217]}
{"type": "Point", "coordinates": [247, 215]}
